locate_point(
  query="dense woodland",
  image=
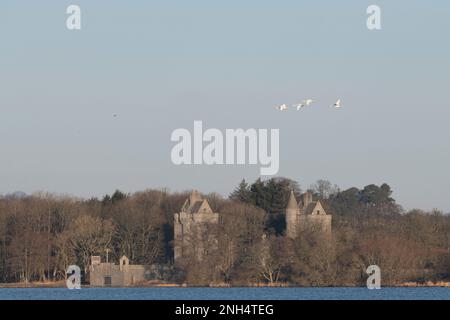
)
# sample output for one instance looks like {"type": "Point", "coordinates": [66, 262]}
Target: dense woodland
{"type": "Point", "coordinates": [41, 235]}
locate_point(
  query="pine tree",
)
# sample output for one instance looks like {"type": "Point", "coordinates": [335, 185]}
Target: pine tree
{"type": "Point", "coordinates": [259, 195]}
{"type": "Point", "coordinates": [242, 193]}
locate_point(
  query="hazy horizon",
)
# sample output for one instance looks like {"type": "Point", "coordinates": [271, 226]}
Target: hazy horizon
{"type": "Point", "coordinates": [87, 112]}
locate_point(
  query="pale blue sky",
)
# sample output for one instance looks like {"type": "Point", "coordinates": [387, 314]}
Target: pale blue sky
{"type": "Point", "coordinates": [160, 65]}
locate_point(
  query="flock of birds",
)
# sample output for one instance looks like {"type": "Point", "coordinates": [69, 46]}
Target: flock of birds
{"type": "Point", "coordinates": [306, 103]}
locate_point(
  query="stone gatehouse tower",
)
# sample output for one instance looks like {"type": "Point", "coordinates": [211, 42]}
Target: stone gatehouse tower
{"type": "Point", "coordinates": [194, 228]}
{"type": "Point", "coordinates": [310, 215]}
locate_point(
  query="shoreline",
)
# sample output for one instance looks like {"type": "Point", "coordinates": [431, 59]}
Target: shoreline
{"type": "Point", "coordinates": [61, 284]}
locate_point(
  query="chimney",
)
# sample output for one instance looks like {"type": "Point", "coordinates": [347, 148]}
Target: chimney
{"type": "Point", "coordinates": [195, 196]}
{"type": "Point", "coordinates": [307, 199]}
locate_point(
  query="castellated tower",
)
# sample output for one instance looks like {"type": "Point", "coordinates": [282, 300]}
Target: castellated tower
{"type": "Point", "coordinates": [194, 228]}
{"type": "Point", "coordinates": [310, 215]}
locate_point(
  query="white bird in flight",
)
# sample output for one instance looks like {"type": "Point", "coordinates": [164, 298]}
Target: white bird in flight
{"type": "Point", "coordinates": [283, 107]}
{"type": "Point", "coordinates": [299, 106]}
{"type": "Point", "coordinates": [337, 104]}
{"type": "Point", "coordinates": [304, 103]}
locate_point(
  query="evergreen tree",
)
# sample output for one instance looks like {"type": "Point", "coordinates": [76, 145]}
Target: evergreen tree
{"type": "Point", "coordinates": [271, 196]}
{"type": "Point", "coordinates": [242, 193]}
{"type": "Point", "coordinates": [258, 194]}
{"type": "Point", "coordinates": [117, 196]}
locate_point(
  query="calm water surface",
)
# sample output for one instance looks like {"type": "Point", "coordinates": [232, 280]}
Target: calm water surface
{"type": "Point", "coordinates": [225, 294]}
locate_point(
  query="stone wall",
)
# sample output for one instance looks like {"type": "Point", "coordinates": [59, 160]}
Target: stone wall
{"type": "Point", "coordinates": [127, 275]}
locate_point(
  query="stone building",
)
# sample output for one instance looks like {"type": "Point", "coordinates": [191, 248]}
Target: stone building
{"type": "Point", "coordinates": [310, 215]}
{"type": "Point", "coordinates": [194, 233]}
{"type": "Point", "coordinates": [105, 274]}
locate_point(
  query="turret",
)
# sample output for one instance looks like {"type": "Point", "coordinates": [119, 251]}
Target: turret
{"type": "Point", "coordinates": [292, 212]}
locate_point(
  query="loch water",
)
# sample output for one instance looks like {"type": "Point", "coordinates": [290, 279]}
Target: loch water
{"type": "Point", "coordinates": [401, 293]}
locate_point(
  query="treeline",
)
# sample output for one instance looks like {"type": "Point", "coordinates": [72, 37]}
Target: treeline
{"type": "Point", "coordinates": [41, 235]}
{"type": "Point", "coordinates": [369, 227]}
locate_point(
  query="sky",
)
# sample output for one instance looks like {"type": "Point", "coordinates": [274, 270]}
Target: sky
{"type": "Point", "coordinates": [160, 65]}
